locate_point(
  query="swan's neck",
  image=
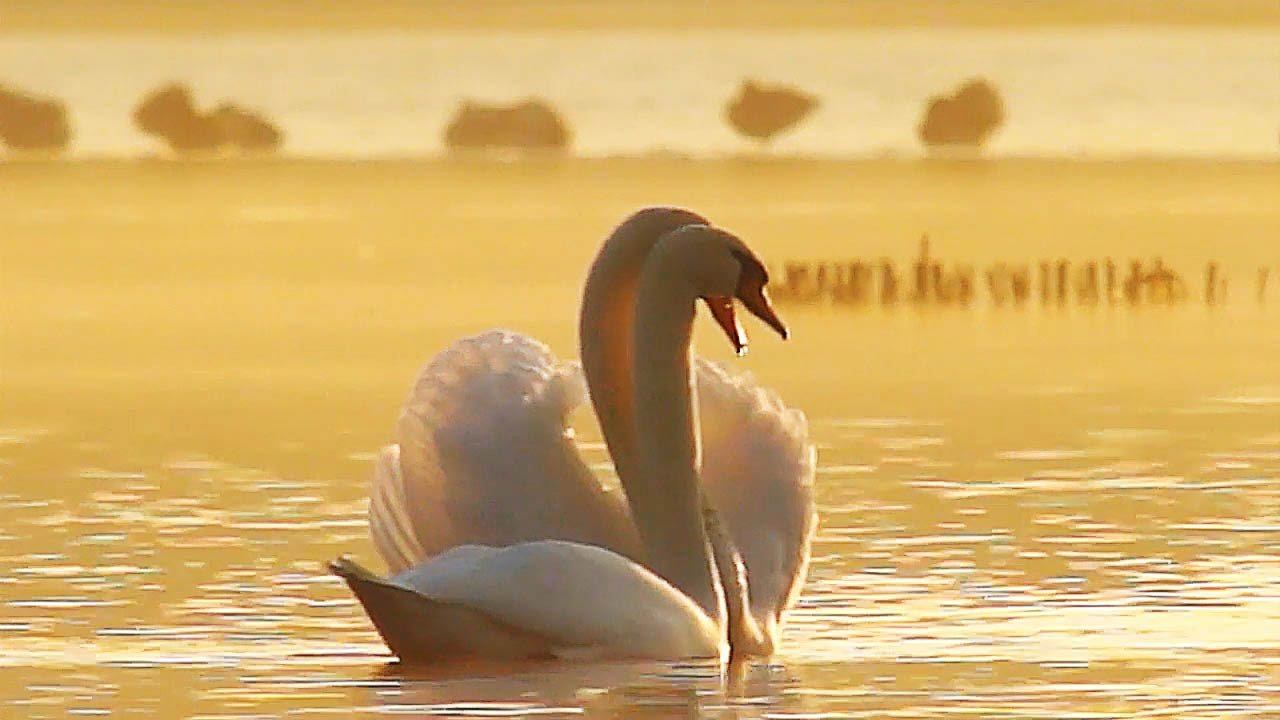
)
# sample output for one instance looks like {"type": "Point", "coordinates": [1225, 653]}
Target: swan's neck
{"type": "Point", "coordinates": [606, 324]}
{"type": "Point", "coordinates": [746, 635]}
{"type": "Point", "coordinates": [605, 337]}
{"type": "Point", "coordinates": [665, 494]}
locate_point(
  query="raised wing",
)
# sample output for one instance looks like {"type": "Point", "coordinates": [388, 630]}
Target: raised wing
{"type": "Point", "coordinates": [485, 457]}
{"type": "Point", "coordinates": [758, 468]}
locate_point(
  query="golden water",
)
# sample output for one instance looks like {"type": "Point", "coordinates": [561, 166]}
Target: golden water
{"type": "Point", "coordinates": [1035, 513]}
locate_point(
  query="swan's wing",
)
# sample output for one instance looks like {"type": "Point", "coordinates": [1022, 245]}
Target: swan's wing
{"type": "Point", "coordinates": [485, 457]}
{"type": "Point", "coordinates": [758, 467]}
{"type": "Point", "coordinates": [389, 523]}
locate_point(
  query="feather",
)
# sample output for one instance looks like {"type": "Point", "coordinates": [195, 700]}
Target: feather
{"type": "Point", "coordinates": [758, 469]}
{"type": "Point", "coordinates": [485, 457]}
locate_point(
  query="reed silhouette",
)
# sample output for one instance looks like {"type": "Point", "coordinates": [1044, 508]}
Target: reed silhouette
{"type": "Point", "coordinates": [1054, 283]}
{"type": "Point", "coordinates": [935, 283]}
{"type": "Point", "coordinates": [762, 112]}
{"type": "Point", "coordinates": [170, 113]}
{"type": "Point", "coordinates": [531, 124]}
{"type": "Point", "coordinates": [1215, 286]}
{"type": "Point", "coordinates": [32, 124]}
{"type": "Point", "coordinates": [965, 119]}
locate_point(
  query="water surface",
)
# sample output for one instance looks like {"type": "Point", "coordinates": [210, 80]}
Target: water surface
{"type": "Point", "coordinates": [1037, 513]}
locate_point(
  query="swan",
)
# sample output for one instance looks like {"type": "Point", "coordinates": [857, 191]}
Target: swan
{"type": "Point", "coordinates": [502, 543]}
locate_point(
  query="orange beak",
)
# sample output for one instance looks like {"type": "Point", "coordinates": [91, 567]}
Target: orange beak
{"type": "Point", "coordinates": [756, 300]}
{"type": "Point", "coordinates": [722, 310]}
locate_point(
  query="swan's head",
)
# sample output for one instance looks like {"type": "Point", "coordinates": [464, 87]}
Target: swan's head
{"type": "Point", "coordinates": [652, 223]}
{"type": "Point", "coordinates": [723, 269]}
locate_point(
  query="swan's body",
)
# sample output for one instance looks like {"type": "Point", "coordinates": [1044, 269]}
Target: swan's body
{"type": "Point", "coordinates": [502, 543]}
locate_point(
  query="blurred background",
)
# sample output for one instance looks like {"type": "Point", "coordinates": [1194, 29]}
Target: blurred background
{"type": "Point", "coordinates": [1030, 253]}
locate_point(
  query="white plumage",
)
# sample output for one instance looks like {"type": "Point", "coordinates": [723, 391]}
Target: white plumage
{"type": "Point", "coordinates": [486, 514]}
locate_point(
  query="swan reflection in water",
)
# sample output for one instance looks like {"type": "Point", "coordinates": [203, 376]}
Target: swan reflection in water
{"type": "Point", "coordinates": [696, 689]}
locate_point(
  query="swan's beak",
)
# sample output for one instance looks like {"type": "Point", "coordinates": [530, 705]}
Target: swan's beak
{"type": "Point", "coordinates": [721, 308]}
{"type": "Point", "coordinates": [755, 299]}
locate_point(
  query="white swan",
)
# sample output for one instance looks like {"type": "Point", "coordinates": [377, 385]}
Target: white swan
{"type": "Point", "coordinates": [503, 543]}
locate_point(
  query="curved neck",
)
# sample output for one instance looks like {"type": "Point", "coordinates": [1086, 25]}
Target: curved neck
{"type": "Point", "coordinates": [607, 338]}
{"type": "Point", "coordinates": [665, 494]}
{"type": "Point", "coordinates": [604, 345]}
{"type": "Point", "coordinates": [605, 325]}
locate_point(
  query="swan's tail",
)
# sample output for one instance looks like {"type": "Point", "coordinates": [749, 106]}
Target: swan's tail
{"type": "Point", "coordinates": [421, 630]}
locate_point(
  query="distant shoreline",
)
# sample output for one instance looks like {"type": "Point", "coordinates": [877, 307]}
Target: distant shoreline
{"type": "Point", "coordinates": [214, 16]}
{"type": "Point", "coordinates": [657, 160]}
{"type": "Point", "coordinates": [1082, 92]}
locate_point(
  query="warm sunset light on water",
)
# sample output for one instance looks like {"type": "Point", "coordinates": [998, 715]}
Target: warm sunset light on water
{"type": "Point", "coordinates": [1028, 255]}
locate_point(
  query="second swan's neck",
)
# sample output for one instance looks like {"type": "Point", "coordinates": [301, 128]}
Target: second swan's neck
{"type": "Point", "coordinates": [665, 492]}
{"type": "Point", "coordinates": [607, 321]}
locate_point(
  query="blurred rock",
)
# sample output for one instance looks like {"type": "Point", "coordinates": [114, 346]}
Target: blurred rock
{"type": "Point", "coordinates": [30, 123]}
{"type": "Point", "coordinates": [528, 125]}
{"type": "Point", "coordinates": [966, 119]}
{"type": "Point", "coordinates": [246, 129]}
{"type": "Point", "coordinates": [761, 111]}
{"type": "Point", "coordinates": [170, 114]}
